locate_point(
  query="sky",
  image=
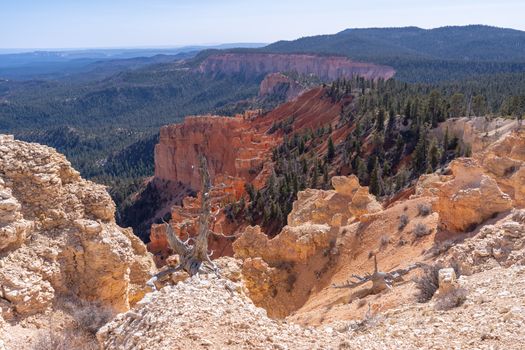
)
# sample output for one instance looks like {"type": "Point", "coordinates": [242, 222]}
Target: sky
{"type": "Point", "coordinates": [169, 23]}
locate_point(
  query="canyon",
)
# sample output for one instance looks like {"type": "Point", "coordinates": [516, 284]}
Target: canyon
{"type": "Point", "coordinates": [59, 241]}
{"type": "Point", "coordinates": [239, 152]}
{"type": "Point", "coordinates": [332, 235]}
{"type": "Point", "coordinates": [61, 249]}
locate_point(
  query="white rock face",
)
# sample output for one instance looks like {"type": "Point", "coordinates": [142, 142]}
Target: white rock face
{"type": "Point", "coordinates": [447, 280]}
{"type": "Point", "coordinates": [58, 236]}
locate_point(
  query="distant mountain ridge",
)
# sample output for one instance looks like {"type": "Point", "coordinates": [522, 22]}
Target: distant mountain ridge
{"type": "Point", "coordinates": [463, 43]}
{"type": "Point", "coordinates": [60, 63]}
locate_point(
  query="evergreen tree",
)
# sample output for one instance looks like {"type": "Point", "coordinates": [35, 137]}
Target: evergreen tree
{"type": "Point", "coordinates": [457, 104]}
{"type": "Point", "coordinates": [326, 178]}
{"type": "Point", "coordinates": [380, 120]}
{"type": "Point", "coordinates": [445, 146]}
{"type": "Point", "coordinates": [315, 175]}
{"type": "Point", "coordinates": [362, 172]}
{"type": "Point", "coordinates": [433, 157]}
{"type": "Point", "coordinates": [419, 160]}
{"type": "Point", "coordinates": [330, 154]}
{"type": "Point", "coordinates": [375, 180]}
{"type": "Point", "coordinates": [479, 105]}
{"type": "Point", "coordinates": [391, 127]}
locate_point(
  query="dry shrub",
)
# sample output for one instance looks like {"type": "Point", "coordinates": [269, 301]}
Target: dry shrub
{"type": "Point", "coordinates": [402, 242]}
{"type": "Point", "coordinates": [440, 248]}
{"type": "Point", "coordinates": [384, 241]}
{"type": "Point", "coordinates": [79, 334]}
{"type": "Point", "coordinates": [90, 317]}
{"type": "Point", "coordinates": [424, 209]}
{"type": "Point", "coordinates": [428, 283]}
{"type": "Point", "coordinates": [518, 215]}
{"type": "Point", "coordinates": [370, 320]}
{"type": "Point", "coordinates": [69, 339]}
{"type": "Point", "coordinates": [452, 299]}
{"type": "Point", "coordinates": [403, 221]}
{"type": "Point", "coordinates": [421, 230]}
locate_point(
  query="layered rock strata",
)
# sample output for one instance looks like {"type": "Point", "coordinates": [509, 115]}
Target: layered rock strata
{"type": "Point", "coordinates": [324, 67]}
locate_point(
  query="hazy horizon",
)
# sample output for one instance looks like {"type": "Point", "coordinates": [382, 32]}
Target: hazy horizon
{"type": "Point", "coordinates": [121, 24]}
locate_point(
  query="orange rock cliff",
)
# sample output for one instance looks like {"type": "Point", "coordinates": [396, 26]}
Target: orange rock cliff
{"type": "Point", "coordinates": [324, 67]}
{"type": "Point", "coordinates": [239, 151]}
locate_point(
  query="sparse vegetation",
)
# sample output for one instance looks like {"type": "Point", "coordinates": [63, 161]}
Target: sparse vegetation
{"type": "Point", "coordinates": [384, 241]}
{"type": "Point", "coordinates": [79, 333]}
{"type": "Point", "coordinates": [421, 230]}
{"type": "Point", "coordinates": [428, 283]}
{"type": "Point", "coordinates": [65, 340]}
{"type": "Point", "coordinates": [424, 209]}
{"type": "Point", "coordinates": [403, 221]}
{"type": "Point", "coordinates": [452, 299]}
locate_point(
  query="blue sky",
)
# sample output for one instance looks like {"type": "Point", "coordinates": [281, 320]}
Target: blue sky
{"type": "Point", "coordinates": [134, 23]}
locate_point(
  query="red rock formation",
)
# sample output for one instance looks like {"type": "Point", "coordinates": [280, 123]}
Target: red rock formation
{"type": "Point", "coordinates": [326, 68]}
{"type": "Point", "coordinates": [238, 150]}
{"type": "Point", "coordinates": [235, 151]}
{"type": "Point", "coordinates": [275, 83]}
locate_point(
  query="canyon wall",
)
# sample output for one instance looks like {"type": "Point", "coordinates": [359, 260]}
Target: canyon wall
{"type": "Point", "coordinates": [332, 235]}
{"type": "Point", "coordinates": [238, 151]}
{"type": "Point", "coordinates": [280, 84]}
{"type": "Point", "coordinates": [235, 151]}
{"type": "Point", "coordinates": [324, 67]}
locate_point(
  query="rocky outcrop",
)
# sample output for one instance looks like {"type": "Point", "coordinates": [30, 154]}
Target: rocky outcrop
{"type": "Point", "coordinates": [292, 245]}
{"type": "Point", "coordinates": [279, 272]}
{"type": "Point", "coordinates": [466, 198]}
{"type": "Point", "coordinates": [476, 133]}
{"type": "Point", "coordinates": [348, 202]}
{"type": "Point", "coordinates": [500, 244]}
{"type": "Point", "coordinates": [504, 161]}
{"type": "Point", "coordinates": [281, 85]}
{"type": "Point", "coordinates": [236, 153]}
{"type": "Point", "coordinates": [59, 236]}
{"type": "Point", "coordinates": [324, 67]}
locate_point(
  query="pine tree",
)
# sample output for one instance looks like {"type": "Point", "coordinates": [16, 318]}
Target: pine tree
{"type": "Point", "coordinates": [457, 104]}
{"type": "Point", "coordinates": [445, 146]}
{"type": "Point", "coordinates": [433, 157]}
{"type": "Point", "coordinates": [330, 154]}
{"type": "Point", "coordinates": [315, 175]}
{"type": "Point", "coordinates": [391, 126]}
{"type": "Point", "coordinates": [362, 172]}
{"type": "Point", "coordinates": [380, 120]}
{"type": "Point", "coordinates": [479, 105]}
{"type": "Point", "coordinates": [375, 180]}
{"type": "Point", "coordinates": [420, 152]}
{"type": "Point", "coordinates": [326, 179]}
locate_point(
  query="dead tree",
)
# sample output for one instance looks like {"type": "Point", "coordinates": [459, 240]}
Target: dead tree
{"type": "Point", "coordinates": [380, 280]}
{"type": "Point", "coordinates": [193, 258]}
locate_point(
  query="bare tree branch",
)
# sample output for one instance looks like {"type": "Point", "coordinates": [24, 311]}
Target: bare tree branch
{"type": "Point", "coordinates": [194, 258]}
{"type": "Point", "coordinates": [380, 280]}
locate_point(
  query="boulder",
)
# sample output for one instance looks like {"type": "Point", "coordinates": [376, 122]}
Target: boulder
{"type": "Point", "coordinates": [446, 280]}
{"type": "Point", "coordinates": [465, 198]}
